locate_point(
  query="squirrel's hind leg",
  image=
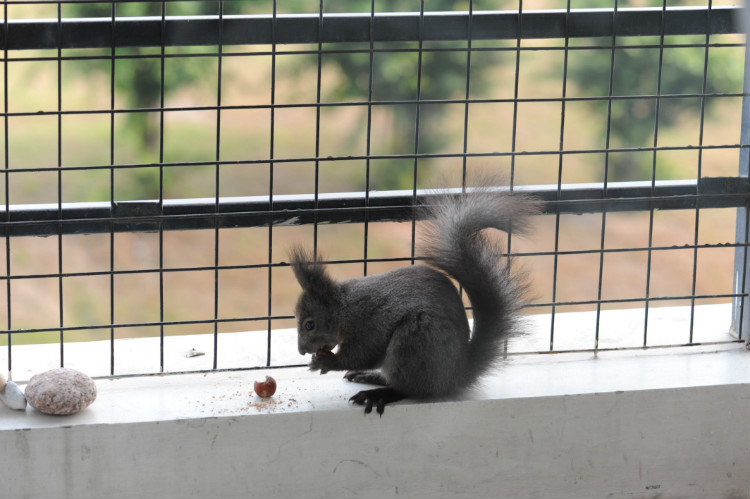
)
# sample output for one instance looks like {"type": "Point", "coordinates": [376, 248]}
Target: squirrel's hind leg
{"type": "Point", "coordinates": [366, 377]}
{"type": "Point", "coordinates": [378, 396]}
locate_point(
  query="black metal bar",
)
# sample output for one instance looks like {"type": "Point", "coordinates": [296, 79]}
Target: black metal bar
{"type": "Point", "coordinates": [159, 324]}
{"type": "Point", "coordinates": [382, 49]}
{"type": "Point", "coordinates": [263, 318]}
{"type": "Point", "coordinates": [112, 67]}
{"type": "Point", "coordinates": [699, 173]}
{"type": "Point", "coordinates": [417, 114]}
{"type": "Point", "coordinates": [741, 305]}
{"type": "Point", "coordinates": [467, 95]}
{"type": "Point", "coordinates": [265, 161]}
{"type": "Point", "coordinates": [622, 349]}
{"type": "Point", "coordinates": [592, 251]}
{"type": "Point", "coordinates": [6, 189]}
{"type": "Point", "coordinates": [605, 192]}
{"type": "Point", "coordinates": [386, 103]}
{"type": "Point", "coordinates": [653, 178]}
{"type": "Point", "coordinates": [555, 258]}
{"type": "Point", "coordinates": [387, 27]}
{"type": "Point", "coordinates": [256, 211]}
{"type": "Point", "coordinates": [162, 64]}
{"type": "Point", "coordinates": [318, 89]}
{"type": "Point", "coordinates": [514, 129]}
{"type": "Point", "coordinates": [217, 181]}
{"type": "Point", "coordinates": [269, 219]}
{"type": "Point", "coordinates": [61, 304]}
{"type": "Point", "coordinates": [368, 140]}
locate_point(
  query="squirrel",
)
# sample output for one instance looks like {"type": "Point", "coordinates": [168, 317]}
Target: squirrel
{"type": "Point", "coordinates": [406, 329]}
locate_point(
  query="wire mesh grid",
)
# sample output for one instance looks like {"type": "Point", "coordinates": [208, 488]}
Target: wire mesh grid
{"type": "Point", "coordinates": [173, 150]}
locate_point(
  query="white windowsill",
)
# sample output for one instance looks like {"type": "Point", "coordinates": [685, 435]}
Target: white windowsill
{"type": "Point", "coordinates": [634, 423]}
{"type": "Point", "coordinates": [573, 331]}
{"type": "Point", "coordinates": [230, 394]}
{"type": "Point", "coordinates": [185, 396]}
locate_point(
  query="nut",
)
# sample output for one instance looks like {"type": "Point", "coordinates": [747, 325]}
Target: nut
{"type": "Point", "coordinates": [265, 388]}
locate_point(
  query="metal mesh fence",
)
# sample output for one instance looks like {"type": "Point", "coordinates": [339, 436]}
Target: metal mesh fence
{"type": "Point", "coordinates": [169, 153]}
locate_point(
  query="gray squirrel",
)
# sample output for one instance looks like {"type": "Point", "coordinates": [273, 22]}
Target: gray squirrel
{"type": "Point", "coordinates": [406, 329]}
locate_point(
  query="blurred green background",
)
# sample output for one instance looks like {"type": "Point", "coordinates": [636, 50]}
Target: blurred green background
{"type": "Point", "coordinates": [134, 137]}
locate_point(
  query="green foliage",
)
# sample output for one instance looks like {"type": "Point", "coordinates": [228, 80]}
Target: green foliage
{"type": "Point", "coordinates": [635, 70]}
{"type": "Point", "coordinates": [394, 74]}
{"type": "Point", "coordinates": [138, 77]}
{"type": "Point", "coordinates": [404, 76]}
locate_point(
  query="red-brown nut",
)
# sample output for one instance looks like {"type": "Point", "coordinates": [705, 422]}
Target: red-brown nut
{"type": "Point", "coordinates": [265, 388]}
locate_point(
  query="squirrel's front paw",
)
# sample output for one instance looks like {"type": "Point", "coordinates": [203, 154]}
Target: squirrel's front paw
{"type": "Point", "coordinates": [322, 361]}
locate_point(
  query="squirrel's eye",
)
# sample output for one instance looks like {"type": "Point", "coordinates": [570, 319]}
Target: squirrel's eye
{"type": "Point", "coordinates": [309, 325]}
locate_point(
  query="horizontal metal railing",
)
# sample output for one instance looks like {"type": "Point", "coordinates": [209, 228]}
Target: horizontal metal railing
{"type": "Point", "coordinates": [380, 27]}
{"type": "Point", "coordinates": [350, 207]}
{"type": "Point", "coordinates": [116, 32]}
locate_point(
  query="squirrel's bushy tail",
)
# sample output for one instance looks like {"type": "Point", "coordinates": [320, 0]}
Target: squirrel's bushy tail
{"type": "Point", "coordinates": [455, 244]}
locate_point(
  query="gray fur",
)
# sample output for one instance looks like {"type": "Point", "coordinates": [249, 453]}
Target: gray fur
{"type": "Point", "coordinates": [410, 322]}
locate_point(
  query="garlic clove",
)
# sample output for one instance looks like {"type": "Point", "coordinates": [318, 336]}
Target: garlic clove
{"type": "Point", "coordinates": [2, 382]}
{"type": "Point", "coordinates": [13, 397]}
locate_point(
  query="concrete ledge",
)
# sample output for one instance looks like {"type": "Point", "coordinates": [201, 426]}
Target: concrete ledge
{"type": "Point", "coordinates": [667, 423]}
{"type": "Point", "coordinates": [541, 428]}
{"type": "Point", "coordinates": [573, 331]}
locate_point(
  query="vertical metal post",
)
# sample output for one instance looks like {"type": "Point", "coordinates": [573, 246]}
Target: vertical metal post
{"type": "Point", "coordinates": [6, 158]}
{"type": "Point", "coordinates": [217, 181]}
{"type": "Point", "coordinates": [741, 302]}
{"type": "Point", "coordinates": [60, 287]}
{"type": "Point", "coordinates": [112, 69]}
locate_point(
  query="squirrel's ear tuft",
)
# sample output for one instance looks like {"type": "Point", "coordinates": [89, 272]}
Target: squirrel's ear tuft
{"type": "Point", "coordinates": [311, 274]}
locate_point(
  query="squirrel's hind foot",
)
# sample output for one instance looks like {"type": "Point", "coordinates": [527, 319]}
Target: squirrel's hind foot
{"type": "Point", "coordinates": [366, 377]}
{"type": "Point", "coordinates": [379, 397]}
